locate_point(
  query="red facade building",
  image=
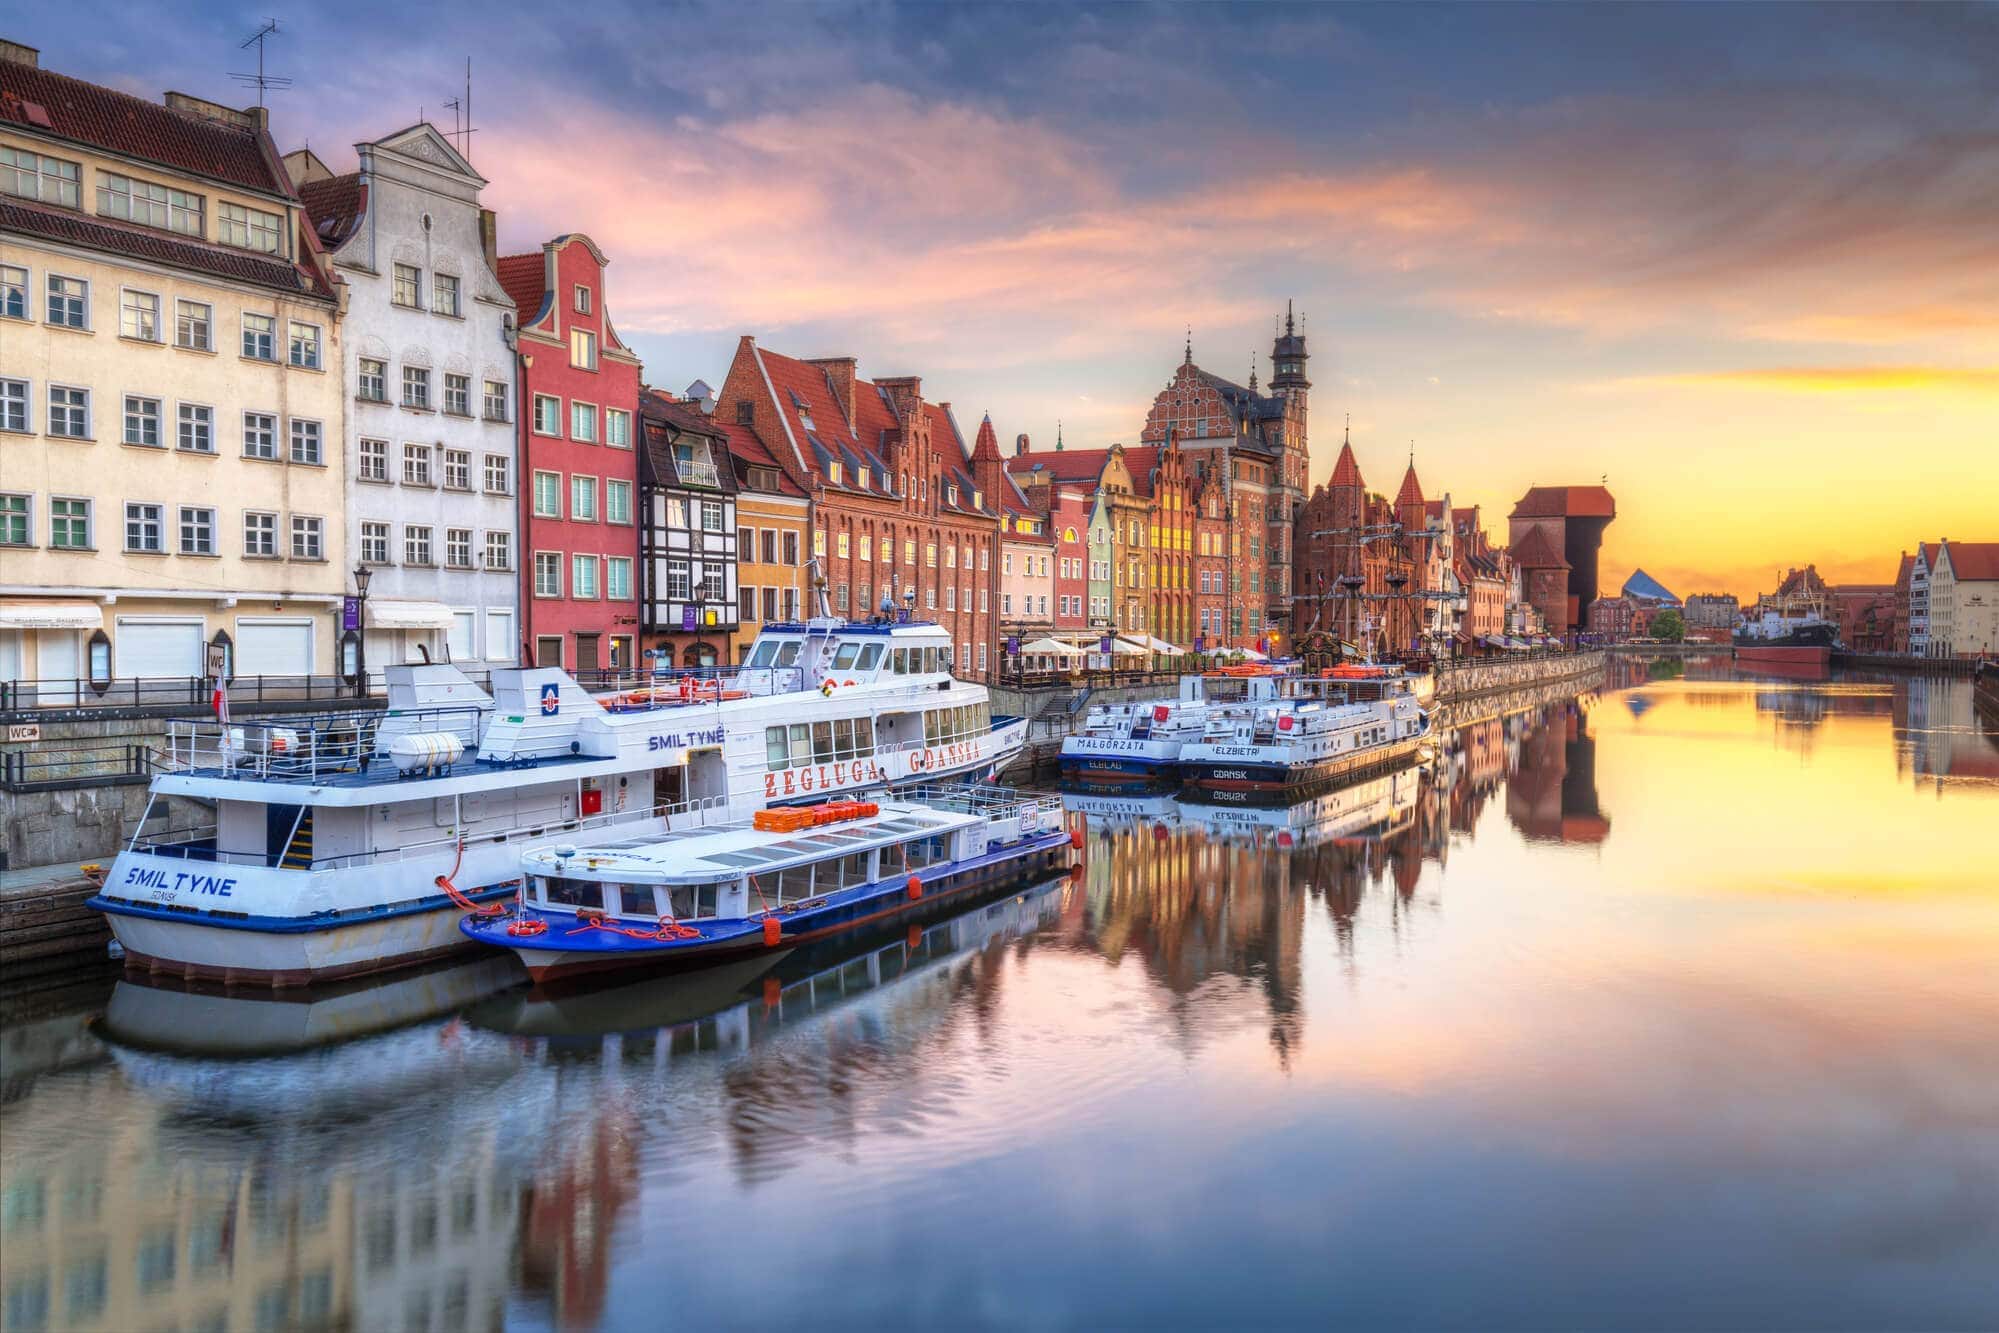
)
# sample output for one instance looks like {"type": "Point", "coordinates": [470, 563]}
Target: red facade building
{"type": "Point", "coordinates": [579, 393]}
{"type": "Point", "coordinates": [897, 509]}
{"type": "Point", "coordinates": [1347, 533]}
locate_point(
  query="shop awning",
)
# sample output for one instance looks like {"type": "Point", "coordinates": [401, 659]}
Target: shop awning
{"type": "Point", "coordinates": [51, 615]}
{"type": "Point", "coordinates": [1160, 645]}
{"type": "Point", "coordinates": [1049, 648]}
{"type": "Point", "coordinates": [408, 615]}
{"type": "Point", "coordinates": [1127, 646]}
{"type": "Point", "coordinates": [1249, 653]}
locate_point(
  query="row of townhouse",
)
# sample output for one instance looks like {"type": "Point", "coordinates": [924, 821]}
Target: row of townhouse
{"type": "Point", "coordinates": [261, 418]}
{"type": "Point", "coordinates": [1945, 600]}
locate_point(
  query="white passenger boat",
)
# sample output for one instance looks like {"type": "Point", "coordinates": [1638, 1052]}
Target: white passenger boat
{"type": "Point", "coordinates": [1365, 811]}
{"type": "Point", "coordinates": [1141, 742]}
{"type": "Point", "coordinates": [1344, 722]}
{"type": "Point", "coordinates": [785, 877]}
{"type": "Point", "coordinates": [344, 843]}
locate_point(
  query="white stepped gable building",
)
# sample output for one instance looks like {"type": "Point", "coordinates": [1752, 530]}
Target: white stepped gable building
{"type": "Point", "coordinates": [433, 466]}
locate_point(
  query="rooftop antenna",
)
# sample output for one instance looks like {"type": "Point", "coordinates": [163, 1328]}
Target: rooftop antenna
{"type": "Point", "coordinates": [261, 81]}
{"type": "Point", "coordinates": [461, 116]}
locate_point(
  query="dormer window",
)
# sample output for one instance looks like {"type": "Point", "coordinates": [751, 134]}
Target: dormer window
{"type": "Point", "coordinates": [861, 477]}
{"type": "Point", "coordinates": [978, 500]}
{"type": "Point", "coordinates": [950, 495]}
{"type": "Point", "coordinates": [833, 471]}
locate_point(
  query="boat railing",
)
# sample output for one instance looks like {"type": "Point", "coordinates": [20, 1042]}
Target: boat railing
{"type": "Point", "coordinates": [980, 799]}
{"type": "Point", "coordinates": [305, 749]}
{"type": "Point", "coordinates": [198, 842]}
{"type": "Point", "coordinates": [679, 687]}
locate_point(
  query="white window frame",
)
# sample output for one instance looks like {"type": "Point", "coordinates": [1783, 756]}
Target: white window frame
{"type": "Point", "coordinates": [308, 525]}
{"type": "Point", "coordinates": [186, 322]}
{"type": "Point", "coordinates": [419, 545]}
{"type": "Point", "coordinates": [89, 517]}
{"type": "Point", "coordinates": [210, 524]}
{"type": "Point", "coordinates": [133, 316]}
{"type": "Point", "coordinates": [458, 548]}
{"type": "Point", "coordinates": [416, 378]}
{"type": "Point", "coordinates": [582, 484]}
{"type": "Point", "coordinates": [575, 416]}
{"type": "Point", "coordinates": [241, 226]}
{"type": "Point", "coordinates": [580, 561]}
{"type": "Point", "coordinates": [397, 273]}
{"type": "Point", "coordinates": [617, 428]}
{"type": "Point", "coordinates": [79, 302]}
{"type": "Point", "coordinates": [534, 498]}
{"type": "Point", "coordinates": [268, 529]}
{"type": "Point", "coordinates": [583, 349]}
{"type": "Point", "coordinates": [463, 459]}
{"type": "Point", "coordinates": [15, 301]}
{"type": "Point", "coordinates": [554, 403]}
{"type": "Point", "coordinates": [17, 405]}
{"type": "Point", "coordinates": [157, 419]}
{"type": "Point", "coordinates": [88, 406]}
{"type": "Point", "coordinates": [554, 559]}
{"type": "Point", "coordinates": [616, 588]}
{"type": "Point", "coordinates": [371, 457]}
{"type": "Point", "coordinates": [417, 469]}
{"type": "Point", "coordinates": [504, 466]}
{"type": "Point", "coordinates": [501, 542]}
{"type": "Point", "coordinates": [615, 487]}
{"type": "Point", "coordinates": [159, 527]}
{"type": "Point", "coordinates": [377, 379]}
{"type": "Point", "coordinates": [440, 283]}
{"type": "Point", "coordinates": [494, 405]}
{"type": "Point", "coordinates": [25, 515]}
{"type": "Point", "coordinates": [374, 542]}
{"type": "Point", "coordinates": [305, 430]}
{"type": "Point", "coordinates": [459, 394]}
{"type": "Point", "coordinates": [304, 353]}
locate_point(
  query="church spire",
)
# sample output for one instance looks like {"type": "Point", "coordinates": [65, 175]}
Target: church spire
{"type": "Point", "coordinates": [1252, 372]}
{"type": "Point", "coordinates": [1058, 435]}
{"type": "Point", "coordinates": [1189, 360]}
{"type": "Point", "coordinates": [1289, 327]}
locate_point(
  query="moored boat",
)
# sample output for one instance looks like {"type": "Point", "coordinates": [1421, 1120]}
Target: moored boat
{"type": "Point", "coordinates": [783, 878]}
{"type": "Point", "coordinates": [1789, 631]}
{"type": "Point", "coordinates": [1345, 722]}
{"type": "Point", "coordinates": [1141, 742]}
{"type": "Point", "coordinates": [348, 842]}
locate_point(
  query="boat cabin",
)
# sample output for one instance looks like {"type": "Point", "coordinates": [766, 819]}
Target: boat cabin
{"type": "Point", "coordinates": [733, 870]}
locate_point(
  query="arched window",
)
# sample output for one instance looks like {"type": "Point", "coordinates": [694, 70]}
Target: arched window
{"type": "Point", "coordinates": [98, 657]}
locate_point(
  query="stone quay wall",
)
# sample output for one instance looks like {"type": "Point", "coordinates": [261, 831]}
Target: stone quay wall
{"type": "Point", "coordinates": [1461, 680]}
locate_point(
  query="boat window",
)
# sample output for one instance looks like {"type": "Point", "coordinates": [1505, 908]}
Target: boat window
{"type": "Point", "coordinates": [854, 869]}
{"type": "Point", "coordinates": [690, 902]}
{"type": "Point", "coordinates": [928, 851]}
{"type": "Point", "coordinates": [636, 900]}
{"type": "Point", "coordinates": [930, 728]}
{"type": "Point", "coordinates": [560, 891]}
{"type": "Point", "coordinates": [766, 650]}
{"type": "Point", "coordinates": [870, 655]}
{"type": "Point", "coordinates": [895, 860]}
{"type": "Point", "coordinates": [776, 750]}
{"type": "Point", "coordinates": [864, 735]}
{"type": "Point", "coordinates": [801, 743]}
{"type": "Point", "coordinates": [822, 742]}
{"type": "Point", "coordinates": [843, 738]}
{"type": "Point", "coordinates": [844, 659]}
{"type": "Point", "coordinates": [787, 653]}
{"type": "Point", "coordinates": [899, 661]}
{"type": "Point", "coordinates": [794, 884]}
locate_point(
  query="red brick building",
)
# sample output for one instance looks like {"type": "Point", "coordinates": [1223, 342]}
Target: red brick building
{"type": "Point", "coordinates": [897, 508]}
{"type": "Point", "coordinates": [1866, 616]}
{"type": "Point", "coordinates": [1257, 447]}
{"type": "Point", "coordinates": [1554, 534]}
{"type": "Point", "coordinates": [579, 393]}
{"type": "Point", "coordinates": [1346, 531]}
{"type": "Point", "coordinates": [1065, 504]}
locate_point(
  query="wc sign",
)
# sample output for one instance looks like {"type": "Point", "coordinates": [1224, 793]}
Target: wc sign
{"type": "Point", "coordinates": [551, 700]}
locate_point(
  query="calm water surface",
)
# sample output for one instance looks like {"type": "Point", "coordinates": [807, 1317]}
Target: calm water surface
{"type": "Point", "coordinates": [1672, 1005]}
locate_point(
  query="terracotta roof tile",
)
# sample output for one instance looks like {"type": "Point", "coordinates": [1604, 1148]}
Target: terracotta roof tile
{"type": "Point", "coordinates": [333, 206]}
{"type": "Point", "coordinates": [1973, 562]}
{"type": "Point", "coordinates": [1346, 472]}
{"type": "Point", "coordinates": [749, 450]}
{"type": "Point", "coordinates": [1412, 489]}
{"type": "Point", "coordinates": [86, 113]}
{"type": "Point", "coordinates": [522, 277]}
{"type": "Point", "coordinates": [1566, 502]}
{"type": "Point", "coordinates": [123, 238]}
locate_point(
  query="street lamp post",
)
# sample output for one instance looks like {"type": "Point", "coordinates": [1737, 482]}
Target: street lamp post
{"type": "Point", "coordinates": [362, 576]}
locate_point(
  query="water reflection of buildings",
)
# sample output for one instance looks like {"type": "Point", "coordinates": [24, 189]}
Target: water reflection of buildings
{"type": "Point", "coordinates": [105, 1227]}
{"type": "Point", "coordinates": [1196, 892]}
{"type": "Point", "coordinates": [1551, 795]}
{"type": "Point", "coordinates": [1941, 735]}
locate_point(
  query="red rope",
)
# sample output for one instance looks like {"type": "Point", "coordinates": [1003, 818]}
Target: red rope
{"type": "Point", "coordinates": [452, 891]}
{"type": "Point", "coordinates": [668, 929]}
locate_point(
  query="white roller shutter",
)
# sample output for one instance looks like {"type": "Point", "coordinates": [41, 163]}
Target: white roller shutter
{"type": "Point", "coordinates": [463, 636]}
{"type": "Point", "coordinates": [273, 647]}
{"type": "Point", "coordinates": [157, 648]}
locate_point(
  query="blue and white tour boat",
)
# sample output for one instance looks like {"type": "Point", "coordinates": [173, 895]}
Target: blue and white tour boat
{"type": "Point", "coordinates": [1141, 742]}
{"type": "Point", "coordinates": [691, 897]}
{"type": "Point", "coordinates": [1346, 721]}
{"type": "Point", "coordinates": [295, 850]}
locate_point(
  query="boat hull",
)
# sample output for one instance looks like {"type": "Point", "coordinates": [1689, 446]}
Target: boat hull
{"type": "Point", "coordinates": [1254, 778]}
{"type": "Point", "coordinates": [548, 958]}
{"type": "Point", "coordinates": [1815, 657]}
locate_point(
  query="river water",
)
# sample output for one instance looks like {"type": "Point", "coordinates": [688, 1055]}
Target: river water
{"type": "Point", "coordinates": [1674, 1004]}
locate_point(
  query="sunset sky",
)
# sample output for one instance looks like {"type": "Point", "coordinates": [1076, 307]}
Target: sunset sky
{"type": "Point", "coordinates": [1743, 261]}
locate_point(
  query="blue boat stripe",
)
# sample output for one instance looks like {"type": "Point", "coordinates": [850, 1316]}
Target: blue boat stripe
{"type": "Point", "coordinates": [297, 925]}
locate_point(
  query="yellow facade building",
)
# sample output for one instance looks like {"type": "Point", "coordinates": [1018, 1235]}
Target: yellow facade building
{"type": "Point", "coordinates": [1964, 599]}
{"type": "Point", "coordinates": [171, 409]}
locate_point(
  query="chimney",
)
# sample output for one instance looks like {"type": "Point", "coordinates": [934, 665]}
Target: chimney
{"type": "Point", "coordinates": [1020, 446]}
{"type": "Point", "coordinates": [906, 392]}
{"type": "Point", "coordinates": [18, 53]}
{"type": "Point", "coordinates": [489, 237]}
{"type": "Point", "coordinates": [840, 370]}
{"type": "Point", "coordinates": [252, 118]}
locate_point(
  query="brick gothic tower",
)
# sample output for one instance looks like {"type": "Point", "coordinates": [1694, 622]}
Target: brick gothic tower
{"type": "Point", "coordinates": [1287, 381]}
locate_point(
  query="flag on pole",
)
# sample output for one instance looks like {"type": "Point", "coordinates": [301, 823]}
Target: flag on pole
{"type": "Point", "coordinates": [219, 701]}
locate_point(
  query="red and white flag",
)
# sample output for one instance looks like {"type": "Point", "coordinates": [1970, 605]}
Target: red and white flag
{"type": "Point", "coordinates": [219, 701]}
